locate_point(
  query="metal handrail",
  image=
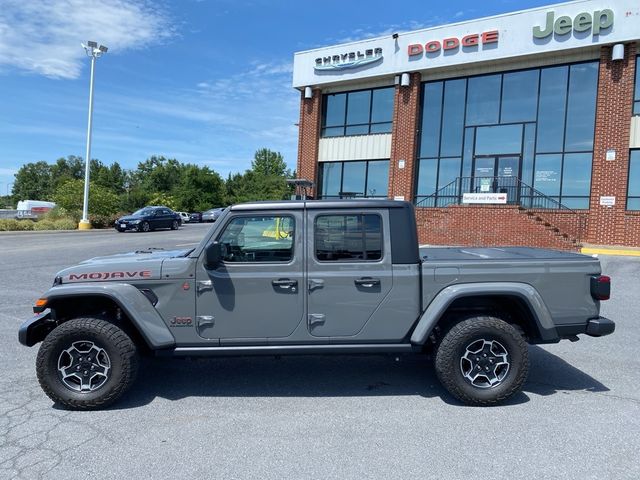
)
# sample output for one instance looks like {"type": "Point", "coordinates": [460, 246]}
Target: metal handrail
{"type": "Point", "coordinates": [518, 193]}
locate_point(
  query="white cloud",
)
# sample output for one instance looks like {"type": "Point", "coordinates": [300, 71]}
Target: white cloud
{"type": "Point", "coordinates": [44, 36]}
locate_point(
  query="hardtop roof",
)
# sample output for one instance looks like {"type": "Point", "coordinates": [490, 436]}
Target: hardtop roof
{"type": "Point", "coordinates": [321, 204]}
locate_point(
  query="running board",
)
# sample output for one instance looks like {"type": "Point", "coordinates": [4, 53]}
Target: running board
{"type": "Point", "coordinates": [233, 350]}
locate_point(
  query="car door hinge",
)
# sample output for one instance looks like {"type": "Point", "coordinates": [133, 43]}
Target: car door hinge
{"type": "Point", "coordinates": [205, 321]}
{"type": "Point", "coordinates": [314, 319]}
{"type": "Point", "coordinates": [203, 286]}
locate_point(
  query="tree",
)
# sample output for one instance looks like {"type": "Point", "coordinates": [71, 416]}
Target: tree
{"type": "Point", "coordinates": [199, 189]}
{"type": "Point", "coordinates": [66, 169]}
{"type": "Point", "coordinates": [269, 163]}
{"type": "Point", "coordinates": [70, 196]}
{"type": "Point", "coordinates": [33, 182]}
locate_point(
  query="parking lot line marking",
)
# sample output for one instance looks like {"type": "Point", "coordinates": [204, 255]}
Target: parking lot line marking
{"type": "Point", "coordinates": [611, 251]}
{"type": "Point", "coordinates": [186, 244]}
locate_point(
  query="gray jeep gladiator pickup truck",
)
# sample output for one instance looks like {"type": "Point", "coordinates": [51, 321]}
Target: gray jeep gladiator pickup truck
{"type": "Point", "coordinates": [313, 277]}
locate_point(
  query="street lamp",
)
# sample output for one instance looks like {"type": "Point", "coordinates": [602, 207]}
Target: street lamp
{"type": "Point", "coordinates": [94, 51]}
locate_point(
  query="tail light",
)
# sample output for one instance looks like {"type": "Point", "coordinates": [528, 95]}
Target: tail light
{"type": "Point", "coordinates": [601, 287]}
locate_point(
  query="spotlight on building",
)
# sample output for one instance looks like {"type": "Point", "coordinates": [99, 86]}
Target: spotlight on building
{"type": "Point", "coordinates": [308, 93]}
{"type": "Point", "coordinates": [395, 36]}
{"type": "Point", "coordinates": [405, 80]}
{"type": "Point", "coordinates": [617, 53]}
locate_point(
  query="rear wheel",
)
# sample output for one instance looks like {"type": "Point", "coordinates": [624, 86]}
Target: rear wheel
{"type": "Point", "coordinates": [482, 360]}
{"type": "Point", "coordinates": [86, 364]}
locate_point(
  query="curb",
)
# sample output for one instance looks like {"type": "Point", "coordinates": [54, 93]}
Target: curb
{"type": "Point", "coordinates": [610, 251]}
{"type": "Point", "coordinates": [39, 232]}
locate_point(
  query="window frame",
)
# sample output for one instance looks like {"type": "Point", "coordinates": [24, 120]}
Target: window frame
{"type": "Point", "coordinates": [364, 251]}
{"type": "Point", "coordinates": [321, 194]}
{"type": "Point", "coordinates": [633, 197]}
{"type": "Point", "coordinates": [636, 90]}
{"type": "Point", "coordinates": [345, 125]}
{"type": "Point", "coordinates": [278, 214]}
{"type": "Point", "coordinates": [470, 130]}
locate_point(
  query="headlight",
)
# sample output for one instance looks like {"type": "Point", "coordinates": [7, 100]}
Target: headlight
{"type": "Point", "coordinates": [135, 221]}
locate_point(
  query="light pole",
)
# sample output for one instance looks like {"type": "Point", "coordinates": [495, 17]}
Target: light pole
{"type": "Point", "coordinates": [94, 51]}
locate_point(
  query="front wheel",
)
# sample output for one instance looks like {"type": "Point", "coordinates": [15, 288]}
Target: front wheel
{"type": "Point", "coordinates": [86, 364]}
{"type": "Point", "coordinates": [144, 227]}
{"type": "Point", "coordinates": [482, 360]}
{"type": "Point", "coordinates": [174, 225]}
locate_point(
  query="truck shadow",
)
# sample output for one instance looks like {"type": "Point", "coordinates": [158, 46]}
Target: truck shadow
{"type": "Point", "coordinates": [330, 376]}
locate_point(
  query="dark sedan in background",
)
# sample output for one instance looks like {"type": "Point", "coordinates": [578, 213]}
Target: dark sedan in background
{"type": "Point", "coordinates": [195, 217]}
{"type": "Point", "coordinates": [149, 218]}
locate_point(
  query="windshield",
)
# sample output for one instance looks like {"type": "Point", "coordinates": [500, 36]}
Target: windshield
{"type": "Point", "coordinates": [143, 211]}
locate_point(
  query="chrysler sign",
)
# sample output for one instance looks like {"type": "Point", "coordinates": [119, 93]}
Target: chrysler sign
{"type": "Point", "coordinates": [347, 60]}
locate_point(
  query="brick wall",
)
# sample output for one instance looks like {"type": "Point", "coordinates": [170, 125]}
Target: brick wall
{"type": "Point", "coordinates": [309, 137]}
{"type": "Point", "coordinates": [404, 138]}
{"type": "Point", "coordinates": [611, 225]}
{"type": "Point", "coordinates": [485, 225]}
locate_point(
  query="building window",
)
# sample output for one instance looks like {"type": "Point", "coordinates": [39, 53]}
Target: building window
{"type": "Point", "coordinates": [636, 96]}
{"type": "Point", "coordinates": [360, 112]}
{"type": "Point", "coordinates": [348, 238]}
{"type": "Point", "coordinates": [633, 189]}
{"type": "Point", "coordinates": [535, 126]}
{"type": "Point", "coordinates": [363, 178]}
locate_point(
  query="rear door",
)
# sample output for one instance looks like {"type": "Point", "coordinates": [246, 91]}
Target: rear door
{"type": "Point", "coordinates": [349, 271]}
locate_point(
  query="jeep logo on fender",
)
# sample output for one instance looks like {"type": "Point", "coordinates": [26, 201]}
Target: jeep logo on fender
{"type": "Point", "coordinates": [79, 277]}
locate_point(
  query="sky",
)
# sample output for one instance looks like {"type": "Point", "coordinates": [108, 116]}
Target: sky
{"type": "Point", "coordinates": [203, 81]}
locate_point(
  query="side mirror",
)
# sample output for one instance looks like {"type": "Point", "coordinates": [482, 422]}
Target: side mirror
{"type": "Point", "coordinates": [212, 255]}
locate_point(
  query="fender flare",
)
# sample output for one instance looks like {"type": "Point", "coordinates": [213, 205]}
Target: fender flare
{"type": "Point", "coordinates": [145, 318]}
{"type": "Point", "coordinates": [430, 317]}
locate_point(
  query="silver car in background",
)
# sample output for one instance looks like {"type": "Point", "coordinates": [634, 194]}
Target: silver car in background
{"type": "Point", "coordinates": [212, 215]}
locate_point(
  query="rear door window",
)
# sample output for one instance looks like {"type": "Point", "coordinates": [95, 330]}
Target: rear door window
{"type": "Point", "coordinates": [348, 238]}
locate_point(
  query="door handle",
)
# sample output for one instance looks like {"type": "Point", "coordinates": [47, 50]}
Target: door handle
{"type": "Point", "coordinates": [367, 282]}
{"type": "Point", "coordinates": [285, 284]}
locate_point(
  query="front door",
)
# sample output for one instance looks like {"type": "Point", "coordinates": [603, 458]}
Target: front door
{"type": "Point", "coordinates": [257, 291]}
{"type": "Point", "coordinates": [497, 174]}
{"type": "Point", "coordinates": [349, 272]}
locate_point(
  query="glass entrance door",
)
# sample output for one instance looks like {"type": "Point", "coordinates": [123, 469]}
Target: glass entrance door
{"type": "Point", "coordinates": [497, 174]}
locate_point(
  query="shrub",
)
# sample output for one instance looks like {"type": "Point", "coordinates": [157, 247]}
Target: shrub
{"type": "Point", "coordinates": [65, 224]}
{"type": "Point", "coordinates": [44, 225]}
{"type": "Point", "coordinates": [12, 225]}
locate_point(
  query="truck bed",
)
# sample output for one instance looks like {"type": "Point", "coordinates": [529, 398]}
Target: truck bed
{"type": "Point", "coordinates": [495, 253]}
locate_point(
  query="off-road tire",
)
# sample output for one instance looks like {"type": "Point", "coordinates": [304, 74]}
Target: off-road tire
{"type": "Point", "coordinates": [119, 347]}
{"type": "Point", "coordinates": [453, 347]}
{"type": "Point", "coordinates": [174, 225]}
{"type": "Point", "coordinates": [144, 227]}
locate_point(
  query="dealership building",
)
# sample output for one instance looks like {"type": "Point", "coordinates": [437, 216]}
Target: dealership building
{"type": "Point", "coordinates": [517, 129]}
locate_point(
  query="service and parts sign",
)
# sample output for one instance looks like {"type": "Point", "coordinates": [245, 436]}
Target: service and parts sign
{"type": "Point", "coordinates": [554, 28]}
{"type": "Point", "coordinates": [484, 198]}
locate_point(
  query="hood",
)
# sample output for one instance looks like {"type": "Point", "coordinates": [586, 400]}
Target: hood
{"type": "Point", "coordinates": [129, 218]}
{"type": "Point", "coordinates": [122, 267]}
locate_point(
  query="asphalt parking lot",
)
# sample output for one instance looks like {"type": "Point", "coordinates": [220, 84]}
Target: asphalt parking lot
{"type": "Point", "coordinates": [315, 417]}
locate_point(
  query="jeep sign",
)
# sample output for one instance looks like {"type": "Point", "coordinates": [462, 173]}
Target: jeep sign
{"type": "Point", "coordinates": [583, 22]}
